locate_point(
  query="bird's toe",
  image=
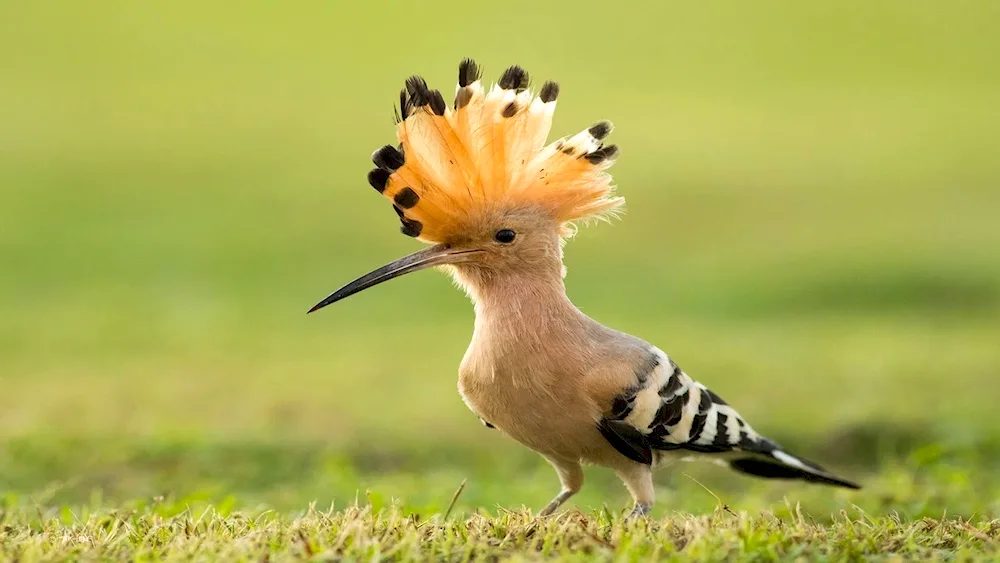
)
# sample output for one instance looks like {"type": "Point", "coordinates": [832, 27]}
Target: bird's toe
{"type": "Point", "coordinates": [639, 511]}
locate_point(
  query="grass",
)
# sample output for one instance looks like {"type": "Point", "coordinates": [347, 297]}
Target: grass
{"type": "Point", "coordinates": [811, 231]}
{"type": "Point", "coordinates": [357, 533]}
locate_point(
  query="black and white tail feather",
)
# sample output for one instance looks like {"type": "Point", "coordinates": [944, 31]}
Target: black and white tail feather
{"type": "Point", "coordinates": [666, 415]}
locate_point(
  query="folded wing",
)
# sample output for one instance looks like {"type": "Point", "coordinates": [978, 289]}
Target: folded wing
{"type": "Point", "coordinates": [667, 411]}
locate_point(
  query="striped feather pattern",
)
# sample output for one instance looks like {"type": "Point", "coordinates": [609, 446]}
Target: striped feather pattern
{"type": "Point", "coordinates": [667, 413]}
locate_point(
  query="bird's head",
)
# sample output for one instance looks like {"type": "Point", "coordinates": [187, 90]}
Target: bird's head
{"type": "Point", "coordinates": [478, 182]}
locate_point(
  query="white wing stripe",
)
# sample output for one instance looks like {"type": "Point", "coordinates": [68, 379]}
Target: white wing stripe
{"type": "Point", "coordinates": [708, 432]}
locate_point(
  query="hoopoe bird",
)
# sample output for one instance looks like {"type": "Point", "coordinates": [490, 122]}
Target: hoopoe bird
{"type": "Point", "coordinates": [478, 182]}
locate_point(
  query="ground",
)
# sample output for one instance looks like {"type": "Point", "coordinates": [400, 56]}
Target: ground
{"type": "Point", "coordinates": [357, 534]}
{"type": "Point", "coordinates": [811, 231]}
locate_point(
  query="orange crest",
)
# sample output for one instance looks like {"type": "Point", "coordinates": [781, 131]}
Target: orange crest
{"type": "Point", "coordinates": [488, 152]}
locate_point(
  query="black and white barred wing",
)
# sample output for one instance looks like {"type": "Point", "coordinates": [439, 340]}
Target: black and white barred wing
{"type": "Point", "coordinates": [666, 412]}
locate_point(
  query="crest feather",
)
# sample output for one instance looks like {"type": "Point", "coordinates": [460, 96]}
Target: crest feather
{"type": "Point", "coordinates": [488, 150]}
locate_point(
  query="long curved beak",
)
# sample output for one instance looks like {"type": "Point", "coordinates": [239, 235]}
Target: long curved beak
{"type": "Point", "coordinates": [434, 256]}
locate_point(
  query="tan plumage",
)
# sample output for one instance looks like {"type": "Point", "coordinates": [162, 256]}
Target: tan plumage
{"type": "Point", "coordinates": [479, 180]}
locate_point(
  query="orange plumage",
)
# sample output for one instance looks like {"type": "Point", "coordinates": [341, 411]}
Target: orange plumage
{"type": "Point", "coordinates": [454, 164]}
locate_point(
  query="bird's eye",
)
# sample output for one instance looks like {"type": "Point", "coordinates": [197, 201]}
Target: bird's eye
{"type": "Point", "coordinates": [505, 236]}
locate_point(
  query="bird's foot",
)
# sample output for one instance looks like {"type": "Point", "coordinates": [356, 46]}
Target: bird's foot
{"type": "Point", "coordinates": [639, 511]}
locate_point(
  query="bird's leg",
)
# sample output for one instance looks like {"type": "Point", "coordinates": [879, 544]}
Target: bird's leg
{"type": "Point", "coordinates": [571, 477]}
{"type": "Point", "coordinates": [639, 481]}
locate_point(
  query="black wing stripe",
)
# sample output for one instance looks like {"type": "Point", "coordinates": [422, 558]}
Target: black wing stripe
{"type": "Point", "coordinates": [697, 425]}
{"type": "Point", "coordinates": [721, 431]}
{"type": "Point", "coordinates": [622, 406]}
{"type": "Point", "coordinates": [627, 440]}
{"type": "Point", "coordinates": [670, 412]}
{"type": "Point", "coordinates": [705, 402]}
{"type": "Point", "coordinates": [715, 398]}
{"type": "Point", "coordinates": [673, 382]}
{"type": "Point", "coordinates": [699, 420]}
{"type": "Point", "coordinates": [624, 402]}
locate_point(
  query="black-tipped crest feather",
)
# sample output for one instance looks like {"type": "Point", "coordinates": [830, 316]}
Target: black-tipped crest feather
{"type": "Point", "coordinates": [437, 102]}
{"type": "Point", "coordinates": [468, 72]}
{"type": "Point", "coordinates": [600, 130]}
{"type": "Point", "coordinates": [388, 157]}
{"type": "Point", "coordinates": [600, 155]}
{"type": "Point", "coordinates": [514, 78]}
{"type": "Point", "coordinates": [549, 92]}
{"type": "Point", "coordinates": [416, 87]}
{"type": "Point", "coordinates": [404, 105]}
{"type": "Point", "coordinates": [378, 178]}
{"type": "Point", "coordinates": [411, 227]}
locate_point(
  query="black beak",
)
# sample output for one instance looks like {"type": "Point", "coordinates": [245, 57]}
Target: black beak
{"type": "Point", "coordinates": [426, 258]}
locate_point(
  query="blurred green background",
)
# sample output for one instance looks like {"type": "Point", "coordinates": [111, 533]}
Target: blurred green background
{"type": "Point", "coordinates": [812, 230]}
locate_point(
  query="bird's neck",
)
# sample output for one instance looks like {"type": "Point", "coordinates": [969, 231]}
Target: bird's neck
{"type": "Point", "coordinates": [524, 311]}
{"type": "Point", "coordinates": [515, 297]}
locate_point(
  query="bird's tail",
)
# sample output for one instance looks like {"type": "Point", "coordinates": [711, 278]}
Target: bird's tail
{"type": "Point", "coordinates": [771, 462]}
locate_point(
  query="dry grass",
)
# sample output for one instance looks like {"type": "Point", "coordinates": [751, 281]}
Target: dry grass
{"type": "Point", "coordinates": [358, 533]}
